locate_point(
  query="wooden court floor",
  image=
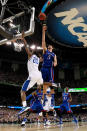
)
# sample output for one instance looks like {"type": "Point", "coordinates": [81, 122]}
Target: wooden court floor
{"type": "Point", "coordinates": [52, 127]}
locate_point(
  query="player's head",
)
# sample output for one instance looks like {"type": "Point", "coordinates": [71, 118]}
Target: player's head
{"type": "Point", "coordinates": [50, 48]}
{"type": "Point", "coordinates": [34, 52]}
{"type": "Point", "coordinates": [66, 89]}
{"type": "Point", "coordinates": [31, 51]}
{"type": "Point", "coordinates": [37, 53]}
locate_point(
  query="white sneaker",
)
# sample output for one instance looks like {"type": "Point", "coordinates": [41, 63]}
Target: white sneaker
{"type": "Point", "coordinates": [48, 123]}
{"type": "Point", "coordinates": [23, 123]}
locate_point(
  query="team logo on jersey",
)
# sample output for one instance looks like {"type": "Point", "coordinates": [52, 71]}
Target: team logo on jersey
{"type": "Point", "coordinates": [68, 24]}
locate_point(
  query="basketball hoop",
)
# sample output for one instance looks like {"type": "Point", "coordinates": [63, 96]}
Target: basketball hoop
{"type": "Point", "coordinates": [11, 37]}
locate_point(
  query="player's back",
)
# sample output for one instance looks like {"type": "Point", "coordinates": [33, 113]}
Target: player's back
{"type": "Point", "coordinates": [40, 95]}
{"type": "Point", "coordinates": [48, 59]}
{"type": "Point", "coordinates": [33, 63]}
{"type": "Point", "coordinates": [65, 97]}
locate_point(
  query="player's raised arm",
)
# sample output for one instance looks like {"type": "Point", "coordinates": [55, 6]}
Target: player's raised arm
{"type": "Point", "coordinates": [26, 46]}
{"type": "Point", "coordinates": [44, 28]}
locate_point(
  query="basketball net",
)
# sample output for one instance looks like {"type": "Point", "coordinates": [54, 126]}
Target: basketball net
{"type": "Point", "coordinates": [3, 2]}
{"type": "Point", "coordinates": [18, 44]}
{"type": "Point", "coordinates": [17, 47]}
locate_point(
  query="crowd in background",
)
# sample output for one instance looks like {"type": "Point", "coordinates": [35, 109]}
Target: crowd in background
{"type": "Point", "coordinates": [9, 116]}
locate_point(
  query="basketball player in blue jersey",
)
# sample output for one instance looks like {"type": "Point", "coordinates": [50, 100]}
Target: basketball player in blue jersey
{"type": "Point", "coordinates": [49, 62]}
{"type": "Point", "coordinates": [66, 105]}
{"type": "Point", "coordinates": [35, 75]}
{"type": "Point", "coordinates": [36, 105]}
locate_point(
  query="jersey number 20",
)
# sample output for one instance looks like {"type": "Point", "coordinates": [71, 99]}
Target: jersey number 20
{"type": "Point", "coordinates": [35, 60]}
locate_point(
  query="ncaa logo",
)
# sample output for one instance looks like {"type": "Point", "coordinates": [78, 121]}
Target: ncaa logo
{"type": "Point", "coordinates": [68, 24]}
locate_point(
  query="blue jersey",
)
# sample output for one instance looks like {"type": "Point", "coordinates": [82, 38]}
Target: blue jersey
{"type": "Point", "coordinates": [38, 96]}
{"type": "Point", "coordinates": [66, 104]}
{"type": "Point", "coordinates": [36, 105]}
{"type": "Point", "coordinates": [48, 59]}
{"type": "Point", "coordinates": [66, 97]}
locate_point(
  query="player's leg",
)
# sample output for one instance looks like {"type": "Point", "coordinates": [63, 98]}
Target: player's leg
{"type": "Point", "coordinates": [68, 109]}
{"type": "Point", "coordinates": [44, 117]}
{"type": "Point", "coordinates": [39, 110]}
{"type": "Point", "coordinates": [59, 113]}
{"type": "Point", "coordinates": [23, 92]}
{"type": "Point", "coordinates": [40, 115]}
{"type": "Point", "coordinates": [46, 108]}
{"type": "Point", "coordinates": [47, 118]}
{"type": "Point", "coordinates": [23, 123]}
{"type": "Point", "coordinates": [29, 83]}
{"type": "Point", "coordinates": [52, 97]}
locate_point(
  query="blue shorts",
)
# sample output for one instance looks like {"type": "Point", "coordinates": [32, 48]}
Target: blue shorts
{"type": "Point", "coordinates": [37, 106]}
{"type": "Point", "coordinates": [47, 74]}
{"type": "Point", "coordinates": [65, 106]}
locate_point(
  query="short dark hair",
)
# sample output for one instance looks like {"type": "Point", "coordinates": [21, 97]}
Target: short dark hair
{"type": "Point", "coordinates": [50, 45]}
{"type": "Point", "coordinates": [36, 53]}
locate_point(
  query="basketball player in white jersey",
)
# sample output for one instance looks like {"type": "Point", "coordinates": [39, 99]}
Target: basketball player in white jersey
{"type": "Point", "coordinates": [48, 104]}
{"type": "Point", "coordinates": [35, 75]}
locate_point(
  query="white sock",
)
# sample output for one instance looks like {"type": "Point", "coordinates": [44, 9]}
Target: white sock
{"type": "Point", "coordinates": [24, 103]}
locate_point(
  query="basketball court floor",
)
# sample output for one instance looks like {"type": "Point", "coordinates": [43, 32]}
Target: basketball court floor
{"type": "Point", "coordinates": [34, 127]}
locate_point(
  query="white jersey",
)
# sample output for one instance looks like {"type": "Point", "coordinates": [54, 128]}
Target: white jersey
{"type": "Point", "coordinates": [48, 105]}
{"type": "Point", "coordinates": [35, 75]}
{"type": "Point", "coordinates": [33, 64]}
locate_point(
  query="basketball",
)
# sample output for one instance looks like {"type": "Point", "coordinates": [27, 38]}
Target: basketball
{"type": "Point", "coordinates": [42, 16]}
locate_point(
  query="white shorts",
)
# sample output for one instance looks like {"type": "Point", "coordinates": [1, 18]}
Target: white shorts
{"type": "Point", "coordinates": [48, 107]}
{"type": "Point", "coordinates": [34, 78]}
